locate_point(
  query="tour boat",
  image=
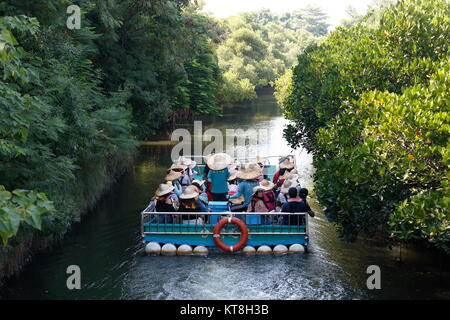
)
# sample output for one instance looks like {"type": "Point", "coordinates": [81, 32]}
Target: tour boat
{"type": "Point", "coordinates": [164, 232]}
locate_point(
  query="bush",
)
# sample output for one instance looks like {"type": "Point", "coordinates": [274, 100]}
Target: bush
{"type": "Point", "coordinates": [371, 103]}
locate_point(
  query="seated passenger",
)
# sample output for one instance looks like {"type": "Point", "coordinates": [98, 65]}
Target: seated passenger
{"type": "Point", "coordinates": [166, 201]}
{"type": "Point", "coordinates": [284, 190]}
{"type": "Point", "coordinates": [296, 204]}
{"type": "Point", "coordinates": [218, 175]}
{"type": "Point", "coordinates": [285, 166]}
{"type": "Point", "coordinates": [261, 162]}
{"type": "Point", "coordinates": [233, 184]}
{"type": "Point", "coordinates": [189, 202]}
{"type": "Point", "coordinates": [303, 194]}
{"type": "Point", "coordinates": [248, 174]}
{"type": "Point", "coordinates": [189, 166]}
{"type": "Point", "coordinates": [172, 178]}
{"type": "Point", "coordinates": [296, 178]}
{"type": "Point", "coordinates": [200, 186]}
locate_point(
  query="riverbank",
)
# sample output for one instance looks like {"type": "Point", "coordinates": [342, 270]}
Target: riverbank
{"type": "Point", "coordinates": [30, 242]}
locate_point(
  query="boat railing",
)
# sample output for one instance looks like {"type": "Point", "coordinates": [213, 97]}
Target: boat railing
{"type": "Point", "coordinates": [203, 223]}
{"type": "Point", "coordinates": [292, 157]}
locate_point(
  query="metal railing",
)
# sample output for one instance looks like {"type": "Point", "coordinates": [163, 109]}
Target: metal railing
{"type": "Point", "coordinates": [203, 223]}
{"type": "Point", "coordinates": [291, 156]}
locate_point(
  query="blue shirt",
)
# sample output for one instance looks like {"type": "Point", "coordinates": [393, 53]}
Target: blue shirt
{"type": "Point", "coordinates": [246, 189]}
{"type": "Point", "coordinates": [219, 180]}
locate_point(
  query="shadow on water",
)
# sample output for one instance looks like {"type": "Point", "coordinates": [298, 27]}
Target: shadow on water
{"type": "Point", "coordinates": [107, 247]}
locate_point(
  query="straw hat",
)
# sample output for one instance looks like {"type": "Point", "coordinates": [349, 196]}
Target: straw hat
{"type": "Point", "coordinates": [187, 162]}
{"type": "Point", "coordinates": [233, 172]}
{"type": "Point", "coordinates": [287, 164]}
{"type": "Point", "coordinates": [176, 166]}
{"type": "Point", "coordinates": [260, 160]}
{"type": "Point", "coordinates": [189, 193]}
{"type": "Point", "coordinates": [199, 182]}
{"type": "Point", "coordinates": [249, 172]}
{"type": "Point", "coordinates": [173, 175]}
{"type": "Point", "coordinates": [239, 200]}
{"type": "Point", "coordinates": [233, 176]}
{"type": "Point", "coordinates": [164, 189]}
{"type": "Point", "coordinates": [219, 161]}
{"type": "Point", "coordinates": [266, 185]}
{"type": "Point", "coordinates": [287, 185]}
{"type": "Point", "coordinates": [206, 158]}
{"type": "Point", "coordinates": [258, 188]}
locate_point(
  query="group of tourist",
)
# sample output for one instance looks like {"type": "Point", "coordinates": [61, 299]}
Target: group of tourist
{"type": "Point", "coordinates": [245, 186]}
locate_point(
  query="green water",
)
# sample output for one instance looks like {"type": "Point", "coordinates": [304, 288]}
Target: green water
{"type": "Point", "coordinates": [107, 247]}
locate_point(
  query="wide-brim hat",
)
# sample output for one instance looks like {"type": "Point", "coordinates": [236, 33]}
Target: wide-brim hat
{"type": "Point", "coordinates": [176, 166]}
{"type": "Point", "coordinates": [189, 193]}
{"type": "Point", "coordinates": [219, 161]}
{"type": "Point", "coordinates": [187, 162]}
{"type": "Point", "coordinates": [199, 182]}
{"type": "Point", "coordinates": [249, 172]}
{"type": "Point", "coordinates": [233, 176]}
{"type": "Point", "coordinates": [290, 176]}
{"type": "Point", "coordinates": [173, 175]}
{"type": "Point", "coordinates": [287, 164]}
{"type": "Point", "coordinates": [267, 185]}
{"type": "Point", "coordinates": [233, 172]}
{"type": "Point", "coordinates": [206, 158]}
{"type": "Point", "coordinates": [164, 189]}
{"type": "Point", "coordinates": [258, 188]}
{"type": "Point", "coordinates": [260, 160]}
{"type": "Point", "coordinates": [287, 185]}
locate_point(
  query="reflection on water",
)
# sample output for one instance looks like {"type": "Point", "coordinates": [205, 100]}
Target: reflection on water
{"type": "Point", "coordinates": [107, 247]}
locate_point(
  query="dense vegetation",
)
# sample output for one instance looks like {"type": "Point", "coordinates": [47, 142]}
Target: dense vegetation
{"type": "Point", "coordinates": [261, 46]}
{"type": "Point", "coordinates": [74, 102]}
{"type": "Point", "coordinates": [371, 102]}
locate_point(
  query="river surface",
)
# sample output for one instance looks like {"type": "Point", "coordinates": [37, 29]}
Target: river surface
{"type": "Point", "coordinates": [106, 246]}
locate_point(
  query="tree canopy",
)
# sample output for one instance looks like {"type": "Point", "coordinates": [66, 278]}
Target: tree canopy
{"type": "Point", "coordinates": [371, 103]}
{"type": "Point", "coordinates": [74, 102]}
{"type": "Point", "coordinates": [261, 46]}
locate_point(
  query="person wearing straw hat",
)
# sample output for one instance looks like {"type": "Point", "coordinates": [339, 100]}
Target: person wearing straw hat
{"type": "Point", "coordinates": [263, 199]}
{"type": "Point", "coordinates": [261, 162]}
{"type": "Point", "coordinates": [200, 186]}
{"type": "Point", "coordinates": [172, 178]}
{"type": "Point", "coordinates": [248, 174]}
{"type": "Point", "coordinates": [296, 177]}
{"type": "Point", "coordinates": [189, 202]}
{"type": "Point", "coordinates": [190, 166]}
{"type": "Point", "coordinates": [165, 201]}
{"type": "Point", "coordinates": [218, 175]}
{"type": "Point", "coordinates": [286, 165]}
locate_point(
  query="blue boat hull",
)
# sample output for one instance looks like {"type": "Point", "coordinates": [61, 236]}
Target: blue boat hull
{"type": "Point", "coordinates": [168, 234]}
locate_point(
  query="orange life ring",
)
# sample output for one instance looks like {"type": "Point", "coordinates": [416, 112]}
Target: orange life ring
{"type": "Point", "coordinates": [242, 227]}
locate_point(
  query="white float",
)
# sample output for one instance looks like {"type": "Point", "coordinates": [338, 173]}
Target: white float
{"type": "Point", "coordinates": [296, 248]}
{"type": "Point", "coordinates": [153, 248]}
{"type": "Point", "coordinates": [200, 251]}
{"type": "Point", "coordinates": [264, 250]}
{"type": "Point", "coordinates": [168, 250]}
{"type": "Point", "coordinates": [184, 250]}
{"type": "Point", "coordinates": [249, 250]}
{"type": "Point", "coordinates": [280, 249]}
